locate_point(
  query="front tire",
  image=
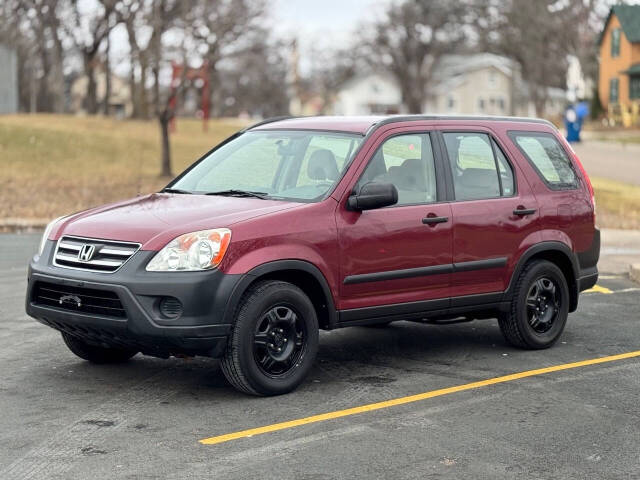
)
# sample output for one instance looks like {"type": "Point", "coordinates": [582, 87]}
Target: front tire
{"type": "Point", "coordinates": [274, 340]}
{"type": "Point", "coordinates": [539, 307]}
{"type": "Point", "coordinates": [95, 354]}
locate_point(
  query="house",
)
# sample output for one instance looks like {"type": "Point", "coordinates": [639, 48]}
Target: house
{"type": "Point", "coordinates": [368, 94]}
{"type": "Point", "coordinates": [474, 84]}
{"type": "Point", "coordinates": [470, 84]}
{"type": "Point", "coordinates": [8, 80]}
{"type": "Point", "coordinates": [120, 102]}
{"type": "Point", "coordinates": [619, 79]}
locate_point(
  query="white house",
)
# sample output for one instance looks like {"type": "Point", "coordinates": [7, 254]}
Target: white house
{"type": "Point", "coordinates": [368, 94]}
{"type": "Point", "coordinates": [471, 84]}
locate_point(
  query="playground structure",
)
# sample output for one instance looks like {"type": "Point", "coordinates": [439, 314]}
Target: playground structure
{"type": "Point", "coordinates": [182, 79]}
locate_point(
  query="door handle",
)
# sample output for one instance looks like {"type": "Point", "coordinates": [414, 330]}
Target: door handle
{"type": "Point", "coordinates": [433, 220]}
{"type": "Point", "coordinates": [521, 211]}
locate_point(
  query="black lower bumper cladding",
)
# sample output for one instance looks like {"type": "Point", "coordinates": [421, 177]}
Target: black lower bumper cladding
{"type": "Point", "coordinates": [123, 309]}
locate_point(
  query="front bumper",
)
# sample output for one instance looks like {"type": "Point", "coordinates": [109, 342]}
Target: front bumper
{"type": "Point", "coordinates": [199, 330]}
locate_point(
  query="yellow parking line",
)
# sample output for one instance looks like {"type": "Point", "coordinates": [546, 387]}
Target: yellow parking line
{"type": "Point", "coordinates": [411, 398]}
{"type": "Point", "coordinates": [598, 289]}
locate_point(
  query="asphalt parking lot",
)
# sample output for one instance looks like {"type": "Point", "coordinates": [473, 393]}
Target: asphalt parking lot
{"type": "Point", "coordinates": [62, 418]}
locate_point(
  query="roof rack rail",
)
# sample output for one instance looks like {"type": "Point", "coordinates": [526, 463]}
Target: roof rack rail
{"type": "Point", "coordinates": [268, 120]}
{"type": "Point", "coordinates": [405, 118]}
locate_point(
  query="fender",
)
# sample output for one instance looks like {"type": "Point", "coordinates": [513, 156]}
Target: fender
{"type": "Point", "coordinates": [279, 266]}
{"type": "Point", "coordinates": [548, 246]}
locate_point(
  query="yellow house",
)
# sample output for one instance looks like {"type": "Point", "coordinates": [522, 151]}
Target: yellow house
{"type": "Point", "coordinates": [619, 80]}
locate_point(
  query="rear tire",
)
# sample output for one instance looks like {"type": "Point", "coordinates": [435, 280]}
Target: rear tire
{"type": "Point", "coordinates": [539, 307]}
{"type": "Point", "coordinates": [95, 354]}
{"type": "Point", "coordinates": [274, 340]}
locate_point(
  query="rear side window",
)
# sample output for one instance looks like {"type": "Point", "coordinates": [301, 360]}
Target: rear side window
{"type": "Point", "coordinates": [479, 168]}
{"type": "Point", "coordinates": [548, 158]}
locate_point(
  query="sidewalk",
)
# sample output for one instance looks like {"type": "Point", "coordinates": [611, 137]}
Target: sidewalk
{"type": "Point", "coordinates": [619, 250]}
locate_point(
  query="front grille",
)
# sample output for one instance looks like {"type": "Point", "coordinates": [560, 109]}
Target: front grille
{"type": "Point", "coordinates": [93, 254]}
{"type": "Point", "coordinates": [78, 299]}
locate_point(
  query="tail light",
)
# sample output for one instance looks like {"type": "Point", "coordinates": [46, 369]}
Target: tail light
{"type": "Point", "coordinates": [586, 179]}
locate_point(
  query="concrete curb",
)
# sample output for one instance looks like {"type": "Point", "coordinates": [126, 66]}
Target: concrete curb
{"type": "Point", "coordinates": [24, 225]}
{"type": "Point", "coordinates": [634, 272]}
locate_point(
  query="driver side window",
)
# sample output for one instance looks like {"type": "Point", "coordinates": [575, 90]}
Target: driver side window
{"type": "Point", "coordinates": [407, 162]}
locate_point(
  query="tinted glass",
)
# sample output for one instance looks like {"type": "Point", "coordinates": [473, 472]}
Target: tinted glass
{"type": "Point", "coordinates": [292, 165]}
{"type": "Point", "coordinates": [548, 157]}
{"type": "Point", "coordinates": [506, 173]}
{"type": "Point", "coordinates": [407, 162]}
{"type": "Point", "coordinates": [473, 165]}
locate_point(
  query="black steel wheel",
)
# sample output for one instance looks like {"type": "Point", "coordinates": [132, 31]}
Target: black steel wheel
{"type": "Point", "coordinates": [279, 340]}
{"type": "Point", "coordinates": [539, 307]}
{"type": "Point", "coordinates": [274, 340]}
{"type": "Point", "coordinates": [543, 304]}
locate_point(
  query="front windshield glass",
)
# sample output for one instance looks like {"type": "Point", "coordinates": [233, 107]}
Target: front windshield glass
{"type": "Point", "coordinates": [287, 165]}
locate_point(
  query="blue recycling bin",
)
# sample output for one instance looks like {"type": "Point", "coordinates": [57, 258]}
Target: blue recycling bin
{"type": "Point", "coordinates": [574, 115]}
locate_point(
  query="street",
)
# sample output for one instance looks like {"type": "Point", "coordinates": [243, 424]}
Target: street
{"type": "Point", "coordinates": [63, 418]}
{"type": "Point", "coordinates": [613, 160]}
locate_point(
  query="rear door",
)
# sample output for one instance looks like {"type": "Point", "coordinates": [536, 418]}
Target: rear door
{"type": "Point", "coordinates": [398, 255]}
{"type": "Point", "coordinates": [495, 214]}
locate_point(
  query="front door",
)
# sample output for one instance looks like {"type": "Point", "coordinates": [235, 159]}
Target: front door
{"type": "Point", "coordinates": [398, 255]}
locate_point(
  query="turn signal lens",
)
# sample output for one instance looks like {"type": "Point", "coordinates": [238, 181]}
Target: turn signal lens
{"type": "Point", "coordinates": [191, 252]}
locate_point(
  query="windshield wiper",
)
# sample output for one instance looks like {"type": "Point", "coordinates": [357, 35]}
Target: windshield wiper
{"type": "Point", "coordinates": [175, 190]}
{"type": "Point", "coordinates": [239, 193]}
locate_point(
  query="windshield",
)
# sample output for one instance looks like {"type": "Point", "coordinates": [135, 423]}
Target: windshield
{"type": "Point", "coordinates": [287, 165]}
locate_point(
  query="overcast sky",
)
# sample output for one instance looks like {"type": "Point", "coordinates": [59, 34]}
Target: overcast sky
{"type": "Point", "coordinates": [315, 23]}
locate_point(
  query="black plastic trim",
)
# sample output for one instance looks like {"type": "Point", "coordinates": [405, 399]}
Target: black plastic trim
{"type": "Point", "coordinates": [274, 267]}
{"type": "Point", "coordinates": [549, 246]}
{"type": "Point", "coordinates": [480, 264]}
{"type": "Point", "coordinates": [426, 271]}
{"type": "Point", "coordinates": [589, 258]}
{"type": "Point", "coordinates": [486, 302]}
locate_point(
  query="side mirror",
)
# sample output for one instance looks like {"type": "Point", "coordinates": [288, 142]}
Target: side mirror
{"type": "Point", "coordinates": [373, 195]}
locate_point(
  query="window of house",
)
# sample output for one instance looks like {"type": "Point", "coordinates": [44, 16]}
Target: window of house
{"type": "Point", "coordinates": [501, 104]}
{"type": "Point", "coordinates": [613, 90]}
{"type": "Point", "coordinates": [548, 158]}
{"type": "Point", "coordinates": [451, 102]}
{"type": "Point", "coordinates": [481, 104]}
{"type": "Point", "coordinates": [634, 87]}
{"type": "Point", "coordinates": [479, 168]}
{"type": "Point", "coordinates": [615, 42]}
{"type": "Point", "coordinates": [492, 77]}
{"type": "Point", "coordinates": [407, 162]}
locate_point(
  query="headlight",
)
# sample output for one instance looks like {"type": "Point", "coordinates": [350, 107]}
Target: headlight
{"type": "Point", "coordinates": [46, 233]}
{"type": "Point", "coordinates": [192, 252]}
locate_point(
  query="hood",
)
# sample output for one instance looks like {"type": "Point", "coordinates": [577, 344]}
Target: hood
{"type": "Point", "coordinates": [156, 219]}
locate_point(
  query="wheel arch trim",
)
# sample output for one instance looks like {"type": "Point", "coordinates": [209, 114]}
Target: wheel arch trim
{"type": "Point", "coordinates": [275, 267]}
{"type": "Point", "coordinates": [553, 247]}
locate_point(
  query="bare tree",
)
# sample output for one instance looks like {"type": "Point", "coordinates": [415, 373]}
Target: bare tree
{"type": "Point", "coordinates": [33, 28]}
{"type": "Point", "coordinates": [410, 41]}
{"type": "Point", "coordinates": [223, 28]}
{"type": "Point", "coordinates": [134, 15]}
{"type": "Point", "coordinates": [88, 30]}
{"type": "Point", "coordinates": [539, 35]}
{"type": "Point", "coordinates": [164, 15]}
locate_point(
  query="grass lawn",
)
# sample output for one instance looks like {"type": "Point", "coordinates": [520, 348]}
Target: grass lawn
{"type": "Point", "coordinates": [617, 204]}
{"type": "Point", "coordinates": [52, 165]}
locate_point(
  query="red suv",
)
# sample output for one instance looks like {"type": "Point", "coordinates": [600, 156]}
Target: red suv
{"type": "Point", "coordinates": [301, 224]}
